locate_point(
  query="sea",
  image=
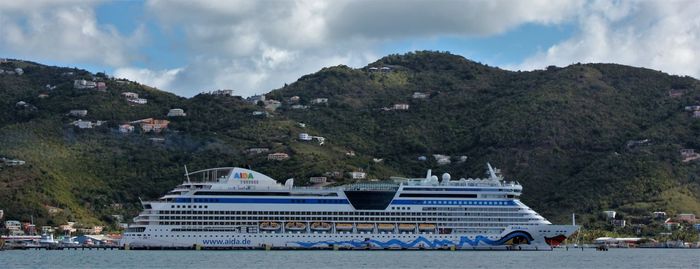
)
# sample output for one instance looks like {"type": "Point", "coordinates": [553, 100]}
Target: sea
{"type": "Point", "coordinates": [191, 259]}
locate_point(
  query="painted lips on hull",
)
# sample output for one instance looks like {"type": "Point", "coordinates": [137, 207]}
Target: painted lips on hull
{"type": "Point", "coordinates": [555, 241]}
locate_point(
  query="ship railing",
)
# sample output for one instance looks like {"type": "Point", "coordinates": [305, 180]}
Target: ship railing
{"type": "Point", "coordinates": [372, 187]}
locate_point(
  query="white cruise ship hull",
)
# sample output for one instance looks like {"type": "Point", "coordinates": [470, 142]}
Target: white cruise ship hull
{"type": "Point", "coordinates": [539, 237]}
{"type": "Point", "coordinates": [235, 208]}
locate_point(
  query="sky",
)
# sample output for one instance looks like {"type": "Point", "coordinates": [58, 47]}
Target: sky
{"type": "Point", "coordinates": [187, 46]}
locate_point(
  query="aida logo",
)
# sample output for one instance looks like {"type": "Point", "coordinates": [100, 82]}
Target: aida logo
{"type": "Point", "coordinates": [243, 175]}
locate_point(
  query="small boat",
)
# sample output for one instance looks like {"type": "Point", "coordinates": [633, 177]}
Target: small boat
{"type": "Point", "coordinates": [320, 226]}
{"type": "Point", "coordinates": [407, 226]}
{"type": "Point", "coordinates": [343, 226]}
{"type": "Point", "coordinates": [47, 240]}
{"type": "Point", "coordinates": [365, 226]}
{"type": "Point", "coordinates": [426, 227]}
{"type": "Point", "coordinates": [386, 227]}
{"type": "Point", "coordinates": [295, 226]}
{"type": "Point", "coordinates": [270, 226]}
{"type": "Point", "coordinates": [68, 242]}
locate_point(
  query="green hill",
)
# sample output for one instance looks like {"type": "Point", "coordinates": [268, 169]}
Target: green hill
{"type": "Point", "coordinates": [567, 134]}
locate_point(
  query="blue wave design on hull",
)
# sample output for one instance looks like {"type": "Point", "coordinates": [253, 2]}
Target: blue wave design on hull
{"type": "Point", "coordinates": [464, 240]}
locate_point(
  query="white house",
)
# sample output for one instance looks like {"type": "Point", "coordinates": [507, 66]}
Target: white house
{"type": "Point", "coordinates": [401, 106]}
{"type": "Point", "coordinates": [176, 112]}
{"type": "Point", "coordinates": [84, 84]}
{"type": "Point", "coordinates": [83, 124]}
{"type": "Point", "coordinates": [610, 214]}
{"type": "Point", "coordinates": [126, 128]}
{"type": "Point", "coordinates": [318, 180]}
{"type": "Point", "coordinates": [138, 101]}
{"type": "Point", "coordinates": [78, 112]}
{"type": "Point", "coordinates": [272, 105]}
{"type": "Point", "coordinates": [319, 101]}
{"type": "Point", "coordinates": [304, 137]}
{"type": "Point", "coordinates": [419, 95]}
{"type": "Point", "coordinates": [130, 95]}
{"type": "Point", "coordinates": [19, 71]}
{"type": "Point", "coordinates": [260, 113]}
{"type": "Point", "coordinates": [357, 175]}
{"type": "Point", "coordinates": [222, 92]}
{"type": "Point", "coordinates": [256, 98]}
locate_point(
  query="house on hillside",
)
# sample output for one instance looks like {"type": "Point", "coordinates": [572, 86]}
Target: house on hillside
{"type": "Point", "coordinates": [152, 125]}
{"type": "Point", "coordinates": [126, 128]}
{"type": "Point", "coordinates": [692, 108]}
{"type": "Point", "coordinates": [299, 107]}
{"type": "Point", "coordinates": [609, 214]}
{"type": "Point", "coordinates": [272, 105]}
{"type": "Point", "coordinates": [319, 101]}
{"type": "Point", "coordinates": [84, 84]}
{"type": "Point", "coordinates": [686, 217]}
{"type": "Point", "coordinates": [130, 95]}
{"type": "Point", "coordinates": [101, 86]}
{"type": "Point", "coordinates": [659, 215]}
{"type": "Point", "coordinates": [87, 124]}
{"type": "Point", "coordinates": [400, 106]}
{"type": "Point", "coordinates": [294, 99]}
{"type": "Point", "coordinates": [260, 113]}
{"type": "Point", "coordinates": [688, 155]}
{"type": "Point", "coordinates": [357, 175]}
{"type": "Point", "coordinates": [176, 112]}
{"type": "Point", "coordinates": [43, 96]}
{"type": "Point", "coordinates": [225, 92]}
{"type": "Point", "coordinates": [255, 99]}
{"type": "Point", "coordinates": [278, 156]}
{"type": "Point", "coordinates": [318, 180]}
{"type": "Point", "coordinates": [78, 113]}
{"type": "Point", "coordinates": [256, 150]}
{"type": "Point", "coordinates": [620, 223]}
{"type": "Point", "coordinates": [419, 95]}
{"type": "Point", "coordinates": [675, 93]}
{"type": "Point", "coordinates": [138, 101]}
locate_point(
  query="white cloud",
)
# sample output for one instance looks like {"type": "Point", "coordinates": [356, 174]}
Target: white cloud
{"type": "Point", "coordinates": [255, 46]}
{"type": "Point", "coordinates": [162, 79]}
{"type": "Point", "coordinates": [63, 31]}
{"type": "Point", "coordinates": [662, 35]}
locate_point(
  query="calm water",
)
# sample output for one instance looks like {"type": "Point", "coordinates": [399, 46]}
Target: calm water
{"type": "Point", "coordinates": [589, 258]}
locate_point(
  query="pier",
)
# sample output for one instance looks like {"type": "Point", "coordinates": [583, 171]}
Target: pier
{"type": "Point", "coordinates": [96, 247]}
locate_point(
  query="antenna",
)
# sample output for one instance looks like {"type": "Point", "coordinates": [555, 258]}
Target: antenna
{"type": "Point", "coordinates": [492, 173]}
{"type": "Point", "coordinates": [187, 174]}
{"type": "Point", "coordinates": [573, 219]}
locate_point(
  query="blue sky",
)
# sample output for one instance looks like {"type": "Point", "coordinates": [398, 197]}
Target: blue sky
{"type": "Point", "coordinates": [255, 46]}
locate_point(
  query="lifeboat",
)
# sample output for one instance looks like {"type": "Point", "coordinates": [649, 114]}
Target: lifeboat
{"type": "Point", "coordinates": [295, 226]}
{"type": "Point", "coordinates": [407, 227]}
{"type": "Point", "coordinates": [321, 226]}
{"type": "Point", "coordinates": [386, 227]}
{"type": "Point", "coordinates": [270, 226]}
{"type": "Point", "coordinates": [343, 226]}
{"type": "Point", "coordinates": [426, 227]}
{"type": "Point", "coordinates": [365, 226]}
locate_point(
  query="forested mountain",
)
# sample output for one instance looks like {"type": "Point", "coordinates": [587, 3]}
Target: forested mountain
{"type": "Point", "coordinates": [583, 138]}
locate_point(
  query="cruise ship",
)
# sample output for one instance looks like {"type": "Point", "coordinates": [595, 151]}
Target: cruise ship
{"type": "Point", "coordinates": [237, 208]}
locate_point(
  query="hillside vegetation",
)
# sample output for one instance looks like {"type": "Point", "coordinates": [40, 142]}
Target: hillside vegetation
{"type": "Point", "coordinates": [565, 133]}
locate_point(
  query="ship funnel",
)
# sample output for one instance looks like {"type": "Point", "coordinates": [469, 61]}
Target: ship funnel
{"type": "Point", "coordinates": [429, 174]}
{"type": "Point", "coordinates": [289, 183]}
